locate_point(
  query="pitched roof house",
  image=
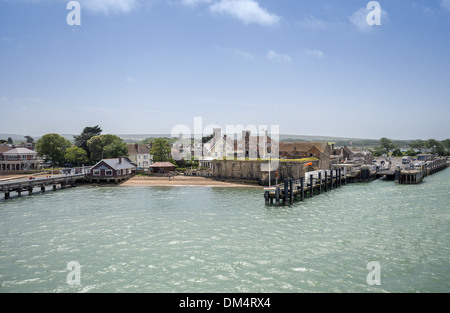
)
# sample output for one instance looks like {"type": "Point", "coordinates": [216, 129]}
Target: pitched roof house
{"type": "Point", "coordinates": [140, 155]}
{"type": "Point", "coordinates": [19, 159]}
{"type": "Point", "coordinates": [162, 167]}
{"type": "Point", "coordinates": [112, 170]}
{"type": "Point", "coordinates": [300, 150]}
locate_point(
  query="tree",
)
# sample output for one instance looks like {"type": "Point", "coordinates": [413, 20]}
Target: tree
{"type": "Point", "coordinates": [52, 147]}
{"type": "Point", "coordinates": [446, 144]}
{"type": "Point", "coordinates": [82, 139]}
{"type": "Point", "coordinates": [385, 145]}
{"type": "Point", "coordinates": [105, 147]}
{"type": "Point", "coordinates": [410, 152]}
{"type": "Point", "coordinates": [418, 144]}
{"type": "Point", "coordinates": [29, 139]}
{"type": "Point", "coordinates": [397, 152]}
{"type": "Point", "coordinates": [160, 150]}
{"type": "Point", "coordinates": [76, 155]}
{"type": "Point", "coordinates": [435, 146]}
{"type": "Point", "coordinates": [10, 141]}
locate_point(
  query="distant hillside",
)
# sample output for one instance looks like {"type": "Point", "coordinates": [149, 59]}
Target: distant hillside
{"type": "Point", "coordinates": [134, 138]}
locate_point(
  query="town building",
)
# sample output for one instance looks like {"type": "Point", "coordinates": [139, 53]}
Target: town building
{"type": "Point", "coordinates": [341, 154]}
{"type": "Point", "coordinates": [140, 156]}
{"type": "Point", "coordinates": [19, 159]}
{"type": "Point", "coordinates": [301, 150]}
{"type": "Point", "coordinates": [112, 170]}
{"type": "Point", "coordinates": [248, 146]}
{"type": "Point", "coordinates": [162, 167]}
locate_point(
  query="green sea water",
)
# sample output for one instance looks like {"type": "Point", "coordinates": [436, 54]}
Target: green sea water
{"type": "Point", "coordinates": [205, 239]}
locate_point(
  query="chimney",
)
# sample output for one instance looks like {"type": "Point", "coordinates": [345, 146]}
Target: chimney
{"type": "Point", "coordinates": [136, 146]}
{"type": "Point", "coordinates": [120, 160]}
{"type": "Point", "coordinates": [217, 132]}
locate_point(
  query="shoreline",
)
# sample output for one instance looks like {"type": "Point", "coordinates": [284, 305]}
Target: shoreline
{"type": "Point", "coordinates": [182, 181]}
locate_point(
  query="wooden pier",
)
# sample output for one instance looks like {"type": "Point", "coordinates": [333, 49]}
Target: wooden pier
{"type": "Point", "coordinates": [315, 183]}
{"type": "Point", "coordinates": [28, 185]}
{"type": "Point", "coordinates": [293, 190]}
{"type": "Point", "coordinates": [416, 175]}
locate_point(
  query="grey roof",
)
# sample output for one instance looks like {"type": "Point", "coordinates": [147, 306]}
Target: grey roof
{"type": "Point", "coordinates": [115, 164]}
{"type": "Point", "coordinates": [19, 151]}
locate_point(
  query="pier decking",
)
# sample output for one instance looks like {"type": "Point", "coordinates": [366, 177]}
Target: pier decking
{"type": "Point", "coordinates": [315, 183]}
{"type": "Point", "coordinates": [28, 185]}
{"type": "Point", "coordinates": [291, 190]}
{"type": "Point", "coordinates": [416, 175]}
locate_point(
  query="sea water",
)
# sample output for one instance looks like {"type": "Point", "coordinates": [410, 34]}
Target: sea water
{"type": "Point", "coordinates": [212, 239]}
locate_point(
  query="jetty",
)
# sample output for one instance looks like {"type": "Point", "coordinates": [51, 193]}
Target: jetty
{"type": "Point", "coordinates": [317, 182]}
{"type": "Point", "coordinates": [313, 184]}
{"type": "Point", "coordinates": [68, 179]}
{"type": "Point", "coordinates": [416, 174]}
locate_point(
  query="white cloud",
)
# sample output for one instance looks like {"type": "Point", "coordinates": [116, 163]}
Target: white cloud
{"type": "Point", "coordinates": [247, 11]}
{"type": "Point", "coordinates": [281, 58]}
{"type": "Point", "coordinates": [109, 6]}
{"type": "Point", "coordinates": [313, 23]}
{"type": "Point", "coordinates": [243, 54]}
{"type": "Point", "coordinates": [192, 3]}
{"type": "Point", "coordinates": [359, 19]}
{"type": "Point", "coordinates": [101, 6]}
{"type": "Point", "coordinates": [445, 4]}
{"type": "Point", "coordinates": [314, 53]}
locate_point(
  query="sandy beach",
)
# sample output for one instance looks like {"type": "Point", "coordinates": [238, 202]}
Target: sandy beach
{"type": "Point", "coordinates": [182, 181]}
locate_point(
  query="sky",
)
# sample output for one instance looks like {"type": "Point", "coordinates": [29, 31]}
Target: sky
{"type": "Point", "coordinates": [311, 67]}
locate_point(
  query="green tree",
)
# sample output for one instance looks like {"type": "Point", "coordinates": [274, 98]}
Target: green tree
{"type": "Point", "coordinates": [10, 141]}
{"type": "Point", "coordinates": [87, 133]}
{"type": "Point", "coordinates": [105, 147]}
{"type": "Point", "coordinates": [397, 152]}
{"type": "Point", "coordinates": [418, 144]}
{"type": "Point", "coordinates": [29, 139]}
{"type": "Point", "coordinates": [410, 152]}
{"type": "Point", "coordinates": [52, 147]}
{"type": "Point", "coordinates": [160, 150]}
{"type": "Point", "coordinates": [385, 146]}
{"type": "Point", "coordinates": [435, 146]}
{"type": "Point", "coordinates": [76, 155]}
{"type": "Point", "coordinates": [446, 144]}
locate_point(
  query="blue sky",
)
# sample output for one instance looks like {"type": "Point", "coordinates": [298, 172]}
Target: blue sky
{"type": "Point", "coordinates": [143, 66]}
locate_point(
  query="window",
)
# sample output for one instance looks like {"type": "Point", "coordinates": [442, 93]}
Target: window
{"type": "Point", "coordinates": [108, 172]}
{"type": "Point", "coordinates": [124, 172]}
{"type": "Point", "coordinates": [96, 172]}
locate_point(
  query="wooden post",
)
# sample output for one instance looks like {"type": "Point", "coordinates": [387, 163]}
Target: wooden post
{"type": "Point", "coordinates": [277, 196]}
{"type": "Point", "coordinates": [326, 180]}
{"type": "Point", "coordinates": [302, 190]}
{"type": "Point", "coordinates": [7, 195]}
{"type": "Point", "coordinates": [320, 183]}
{"type": "Point", "coordinates": [266, 197]}
{"type": "Point", "coordinates": [43, 189]}
{"type": "Point", "coordinates": [30, 191]}
{"type": "Point", "coordinates": [54, 187]}
{"type": "Point", "coordinates": [331, 176]}
{"type": "Point", "coordinates": [340, 178]}
{"type": "Point", "coordinates": [311, 186]}
{"type": "Point", "coordinates": [285, 192]}
{"type": "Point", "coordinates": [291, 191]}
